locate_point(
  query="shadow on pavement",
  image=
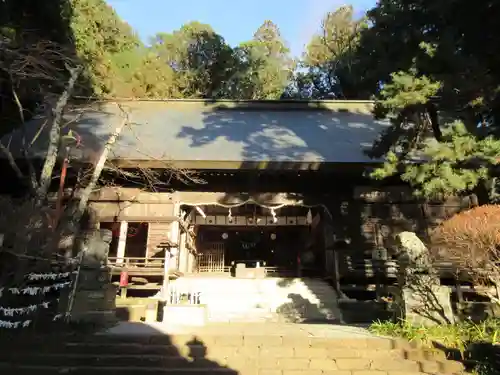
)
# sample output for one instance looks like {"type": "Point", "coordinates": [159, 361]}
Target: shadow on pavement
{"type": "Point", "coordinates": [140, 349]}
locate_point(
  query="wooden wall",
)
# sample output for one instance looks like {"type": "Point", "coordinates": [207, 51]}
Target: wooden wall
{"type": "Point", "coordinates": [158, 233]}
{"type": "Point", "coordinates": [371, 219]}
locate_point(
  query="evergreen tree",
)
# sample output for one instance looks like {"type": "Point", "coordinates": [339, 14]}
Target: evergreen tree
{"type": "Point", "coordinates": [437, 165]}
{"type": "Point", "coordinates": [199, 57]}
{"type": "Point", "coordinates": [439, 88]}
{"type": "Point", "coordinates": [326, 67]}
{"type": "Point", "coordinates": [264, 66]}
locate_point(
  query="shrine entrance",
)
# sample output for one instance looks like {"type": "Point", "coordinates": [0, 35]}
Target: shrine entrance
{"type": "Point", "coordinates": [281, 243]}
{"type": "Point", "coordinates": [212, 258]}
{"type": "Point", "coordinates": [275, 248]}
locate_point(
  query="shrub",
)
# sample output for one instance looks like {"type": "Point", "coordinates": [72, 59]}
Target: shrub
{"type": "Point", "coordinates": [471, 240]}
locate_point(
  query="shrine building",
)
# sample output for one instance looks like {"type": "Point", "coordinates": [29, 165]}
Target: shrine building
{"type": "Point", "coordinates": [278, 185]}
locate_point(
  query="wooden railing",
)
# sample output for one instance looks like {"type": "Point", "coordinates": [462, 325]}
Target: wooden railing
{"type": "Point", "coordinates": [208, 269]}
{"type": "Point", "coordinates": [138, 266]}
{"type": "Point", "coordinates": [134, 262]}
{"type": "Point", "coordinates": [270, 271]}
{"type": "Point", "coordinates": [367, 275]}
{"type": "Point", "coordinates": [389, 268]}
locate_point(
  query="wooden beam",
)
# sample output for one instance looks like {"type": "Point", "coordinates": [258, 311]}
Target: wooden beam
{"type": "Point", "coordinates": [240, 165]}
{"type": "Point", "coordinates": [130, 196]}
{"type": "Point", "coordinates": [123, 210]}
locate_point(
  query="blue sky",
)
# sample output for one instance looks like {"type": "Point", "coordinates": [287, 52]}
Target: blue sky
{"type": "Point", "coordinates": [235, 21]}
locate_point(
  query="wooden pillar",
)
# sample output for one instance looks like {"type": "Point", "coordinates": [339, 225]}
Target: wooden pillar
{"type": "Point", "coordinates": [174, 238]}
{"type": "Point", "coordinates": [183, 254]}
{"type": "Point", "coordinates": [122, 242]}
{"type": "Point", "coordinates": [148, 242]}
{"type": "Point", "coordinates": [166, 279]}
{"type": "Point", "coordinates": [190, 262]}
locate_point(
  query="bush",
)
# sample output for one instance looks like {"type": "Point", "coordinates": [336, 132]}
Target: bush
{"type": "Point", "coordinates": [475, 344]}
{"type": "Point", "coordinates": [453, 336]}
{"type": "Point", "coordinates": [471, 240]}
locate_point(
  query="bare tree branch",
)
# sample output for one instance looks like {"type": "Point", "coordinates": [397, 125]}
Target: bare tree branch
{"type": "Point", "coordinates": [12, 162]}
{"type": "Point", "coordinates": [33, 183]}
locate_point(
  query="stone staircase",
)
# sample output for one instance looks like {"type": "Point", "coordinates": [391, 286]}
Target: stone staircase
{"type": "Point", "coordinates": [271, 299]}
{"type": "Point", "coordinates": [256, 354]}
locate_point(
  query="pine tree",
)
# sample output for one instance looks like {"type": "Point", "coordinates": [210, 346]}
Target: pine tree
{"type": "Point", "coordinates": [438, 160]}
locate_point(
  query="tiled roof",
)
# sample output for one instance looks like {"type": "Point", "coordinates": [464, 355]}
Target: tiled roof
{"type": "Point", "coordinates": [327, 131]}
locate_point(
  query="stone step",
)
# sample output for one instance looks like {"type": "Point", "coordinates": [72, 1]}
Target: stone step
{"type": "Point", "coordinates": [86, 370]}
{"type": "Point", "coordinates": [30, 370]}
{"type": "Point", "coordinates": [131, 349]}
{"type": "Point", "coordinates": [162, 354]}
{"type": "Point", "coordinates": [126, 353]}
{"type": "Point", "coordinates": [106, 360]}
{"type": "Point", "coordinates": [239, 363]}
{"type": "Point", "coordinates": [209, 338]}
{"type": "Point", "coordinates": [269, 293]}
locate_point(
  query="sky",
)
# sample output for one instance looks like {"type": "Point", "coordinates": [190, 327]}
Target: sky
{"type": "Point", "coordinates": [298, 20]}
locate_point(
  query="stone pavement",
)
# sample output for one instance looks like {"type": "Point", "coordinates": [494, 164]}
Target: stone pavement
{"type": "Point", "coordinates": [244, 329]}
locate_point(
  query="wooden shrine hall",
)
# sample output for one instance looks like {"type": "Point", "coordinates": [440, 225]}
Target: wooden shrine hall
{"type": "Point", "coordinates": [281, 184]}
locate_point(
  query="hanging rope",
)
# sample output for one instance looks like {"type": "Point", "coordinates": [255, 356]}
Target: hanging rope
{"type": "Point", "coordinates": [276, 207]}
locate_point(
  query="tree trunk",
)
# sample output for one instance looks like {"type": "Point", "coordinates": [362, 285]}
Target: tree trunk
{"type": "Point", "coordinates": [71, 226]}
{"type": "Point", "coordinates": [434, 120]}
{"type": "Point", "coordinates": [55, 137]}
{"type": "Point", "coordinates": [85, 195]}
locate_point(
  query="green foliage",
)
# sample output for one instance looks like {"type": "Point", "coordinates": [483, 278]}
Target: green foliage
{"type": "Point", "coordinates": [463, 336]}
{"type": "Point", "coordinates": [404, 101]}
{"type": "Point", "coordinates": [327, 65]}
{"type": "Point", "coordinates": [453, 336]}
{"type": "Point", "coordinates": [457, 164]}
{"type": "Point", "coordinates": [264, 66]}
{"type": "Point", "coordinates": [407, 89]}
{"type": "Point", "coordinates": [101, 40]}
{"type": "Point", "coordinates": [199, 57]}
{"type": "Point", "coordinates": [433, 68]}
{"type": "Point", "coordinates": [435, 82]}
{"type": "Point", "coordinates": [457, 161]}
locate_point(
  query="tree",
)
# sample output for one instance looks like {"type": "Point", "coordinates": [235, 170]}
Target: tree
{"type": "Point", "coordinates": [264, 67]}
{"type": "Point", "coordinates": [426, 64]}
{"type": "Point", "coordinates": [327, 67]}
{"type": "Point", "coordinates": [115, 62]}
{"type": "Point", "coordinates": [439, 160]}
{"type": "Point", "coordinates": [101, 38]}
{"type": "Point", "coordinates": [471, 240]}
{"type": "Point", "coordinates": [200, 59]}
{"type": "Point", "coordinates": [43, 31]}
{"type": "Point", "coordinates": [104, 51]}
